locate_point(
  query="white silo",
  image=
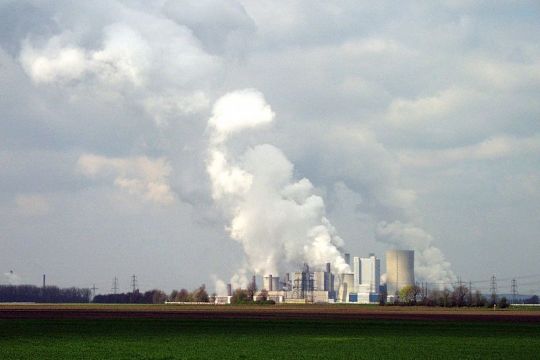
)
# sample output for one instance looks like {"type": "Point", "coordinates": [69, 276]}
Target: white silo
{"type": "Point", "coordinates": [399, 270]}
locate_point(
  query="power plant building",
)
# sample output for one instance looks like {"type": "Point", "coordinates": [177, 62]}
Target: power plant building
{"type": "Point", "coordinates": [361, 286]}
{"type": "Point", "coordinates": [399, 271]}
{"type": "Point", "coordinates": [367, 275]}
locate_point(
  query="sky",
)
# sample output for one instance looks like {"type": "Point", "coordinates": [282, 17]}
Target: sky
{"type": "Point", "coordinates": [414, 124]}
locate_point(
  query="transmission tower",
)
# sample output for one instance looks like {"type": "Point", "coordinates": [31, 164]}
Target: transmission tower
{"type": "Point", "coordinates": [114, 288]}
{"type": "Point", "coordinates": [493, 289]}
{"type": "Point", "coordinates": [94, 288]}
{"type": "Point", "coordinates": [470, 293]}
{"type": "Point", "coordinates": [514, 290]}
{"type": "Point", "coordinates": [134, 282]}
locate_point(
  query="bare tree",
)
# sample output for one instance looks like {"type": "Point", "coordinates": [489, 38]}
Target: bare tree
{"type": "Point", "coordinates": [263, 296]}
{"type": "Point", "coordinates": [158, 297]}
{"type": "Point", "coordinates": [459, 294]}
{"type": "Point", "coordinates": [200, 294]}
{"type": "Point", "coordinates": [182, 296]}
{"type": "Point", "coordinates": [251, 290]}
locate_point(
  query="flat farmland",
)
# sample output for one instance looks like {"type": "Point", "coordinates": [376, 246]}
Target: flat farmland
{"type": "Point", "coordinates": [330, 312]}
{"type": "Point", "coordinates": [264, 332]}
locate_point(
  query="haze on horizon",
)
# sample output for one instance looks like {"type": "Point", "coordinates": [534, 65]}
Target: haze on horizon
{"type": "Point", "coordinates": [416, 124]}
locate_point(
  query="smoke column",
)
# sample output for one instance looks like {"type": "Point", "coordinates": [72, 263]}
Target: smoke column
{"type": "Point", "coordinates": [280, 222]}
{"type": "Point", "coordinates": [430, 263]}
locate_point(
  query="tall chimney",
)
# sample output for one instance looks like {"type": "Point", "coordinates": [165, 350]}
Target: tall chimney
{"type": "Point", "coordinates": [328, 267]}
{"type": "Point", "coordinates": [229, 290]}
{"type": "Point", "coordinates": [270, 282]}
{"type": "Point", "coordinates": [43, 280]}
{"type": "Point", "coordinates": [254, 282]}
{"type": "Point", "coordinates": [348, 258]}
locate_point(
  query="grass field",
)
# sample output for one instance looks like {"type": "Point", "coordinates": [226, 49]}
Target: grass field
{"type": "Point", "coordinates": [177, 337]}
{"type": "Point", "coordinates": [265, 339]}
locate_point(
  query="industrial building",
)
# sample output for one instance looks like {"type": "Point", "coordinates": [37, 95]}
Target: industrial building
{"type": "Point", "coordinates": [367, 278]}
{"type": "Point", "coordinates": [361, 286]}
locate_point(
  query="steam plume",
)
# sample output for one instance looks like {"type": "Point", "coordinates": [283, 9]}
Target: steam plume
{"type": "Point", "coordinates": [10, 278]}
{"type": "Point", "coordinates": [430, 264]}
{"type": "Point", "coordinates": [279, 221]}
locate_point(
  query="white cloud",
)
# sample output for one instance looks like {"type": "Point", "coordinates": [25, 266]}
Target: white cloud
{"type": "Point", "coordinates": [161, 66]}
{"type": "Point", "coordinates": [425, 111]}
{"type": "Point", "coordinates": [123, 58]}
{"type": "Point", "coordinates": [507, 76]}
{"type": "Point", "coordinates": [239, 110]}
{"type": "Point", "coordinates": [170, 105]}
{"type": "Point", "coordinates": [140, 176]}
{"type": "Point", "coordinates": [492, 148]}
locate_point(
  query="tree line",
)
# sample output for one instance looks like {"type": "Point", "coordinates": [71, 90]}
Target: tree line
{"type": "Point", "coordinates": [155, 296]}
{"type": "Point", "coordinates": [48, 294]}
{"type": "Point", "coordinates": [459, 296]}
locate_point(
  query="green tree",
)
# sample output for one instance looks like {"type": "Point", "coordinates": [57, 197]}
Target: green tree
{"type": "Point", "coordinates": [408, 294]}
{"type": "Point", "coordinates": [239, 296]}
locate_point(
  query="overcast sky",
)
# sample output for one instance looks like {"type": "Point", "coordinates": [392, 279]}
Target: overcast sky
{"type": "Point", "coordinates": [416, 123]}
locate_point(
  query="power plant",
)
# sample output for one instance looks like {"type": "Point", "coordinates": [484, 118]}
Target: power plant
{"type": "Point", "coordinates": [399, 271]}
{"type": "Point", "coordinates": [321, 285]}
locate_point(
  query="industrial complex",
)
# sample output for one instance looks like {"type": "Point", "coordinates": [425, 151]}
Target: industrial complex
{"type": "Point", "coordinates": [361, 286]}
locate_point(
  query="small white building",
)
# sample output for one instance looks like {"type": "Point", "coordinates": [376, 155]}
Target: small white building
{"type": "Point", "coordinates": [222, 300]}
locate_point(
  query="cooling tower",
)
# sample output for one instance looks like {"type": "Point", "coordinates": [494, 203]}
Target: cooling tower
{"type": "Point", "coordinates": [399, 270]}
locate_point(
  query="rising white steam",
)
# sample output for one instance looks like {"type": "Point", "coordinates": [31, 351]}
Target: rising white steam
{"type": "Point", "coordinates": [10, 278]}
{"type": "Point", "coordinates": [279, 221]}
{"type": "Point", "coordinates": [430, 264]}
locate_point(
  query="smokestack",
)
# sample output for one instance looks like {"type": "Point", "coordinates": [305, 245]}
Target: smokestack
{"type": "Point", "coordinates": [348, 258]}
{"type": "Point", "coordinates": [229, 290]}
{"type": "Point", "coordinates": [43, 280]}
{"type": "Point", "coordinates": [270, 282]}
{"type": "Point", "coordinates": [253, 282]}
{"type": "Point", "coordinates": [328, 267]}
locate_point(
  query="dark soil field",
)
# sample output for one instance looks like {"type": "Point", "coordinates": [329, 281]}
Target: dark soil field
{"type": "Point", "coordinates": [267, 332]}
{"type": "Point", "coordinates": [283, 312]}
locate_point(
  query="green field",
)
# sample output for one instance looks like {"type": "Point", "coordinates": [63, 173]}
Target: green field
{"type": "Point", "coordinates": [269, 339]}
